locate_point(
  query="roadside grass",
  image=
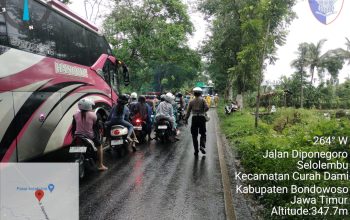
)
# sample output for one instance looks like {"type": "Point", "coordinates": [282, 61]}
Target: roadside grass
{"type": "Point", "coordinates": [286, 130]}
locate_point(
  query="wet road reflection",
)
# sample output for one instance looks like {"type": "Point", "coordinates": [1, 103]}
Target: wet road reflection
{"type": "Point", "coordinates": [159, 181]}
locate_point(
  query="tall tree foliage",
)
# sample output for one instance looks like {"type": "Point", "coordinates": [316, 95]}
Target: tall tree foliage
{"type": "Point", "coordinates": [222, 46]}
{"type": "Point", "coordinates": [244, 35]}
{"type": "Point", "coordinates": [310, 55]}
{"type": "Point", "coordinates": [300, 64]}
{"type": "Point", "coordinates": [315, 56]}
{"type": "Point", "coordinates": [151, 37]}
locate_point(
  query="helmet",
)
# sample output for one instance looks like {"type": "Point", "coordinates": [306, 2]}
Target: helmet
{"type": "Point", "coordinates": [85, 104]}
{"type": "Point", "coordinates": [169, 97]}
{"type": "Point", "coordinates": [133, 95]}
{"type": "Point", "coordinates": [197, 91]}
{"type": "Point", "coordinates": [162, 97]}
{"type": "Point", "coordinates": [179, 94]}
{"type": "Point", "coordinates": [142, 98]}
{"type": "Point", "coordinates": [123, 99]}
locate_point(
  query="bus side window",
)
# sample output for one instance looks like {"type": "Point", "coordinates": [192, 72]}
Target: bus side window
{"type": "Point", "coordinates": [113, 75]}
{"type": "Point", "coordinates": [105, 71]}
{"type": "Point", "coordinates": [109, 74]}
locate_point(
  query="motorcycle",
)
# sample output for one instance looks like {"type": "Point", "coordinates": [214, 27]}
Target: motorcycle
{"type": "Point", "coordinates": [118, 138]}
{"type": "Point", "coordinates": [180, 114]}
{"type": "Point", "coordinates": [140, 129]}
{"type": "Point", "coordinates": [163, 131]}
{"type": "Point", "coordinates": [230, 109]}
{"type": "Point", "coordinates": [85, 154]}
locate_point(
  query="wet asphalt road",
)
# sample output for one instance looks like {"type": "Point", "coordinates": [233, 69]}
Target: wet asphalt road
{"type": "Point", "coordinates": [159, 181]}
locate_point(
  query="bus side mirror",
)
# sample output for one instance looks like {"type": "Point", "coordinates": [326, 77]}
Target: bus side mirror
{"type": "Point", "coordinates": [126, 75]}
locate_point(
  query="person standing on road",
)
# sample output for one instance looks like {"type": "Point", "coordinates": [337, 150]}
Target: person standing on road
{"type": "Point", "coordinates": [216, 100]}
{"type": "Point", "coordinates": [198, 107]}
{"type": "Point", "coordinates": [85, 123]}
{"type": "Point", "coordinates": [208, 99]}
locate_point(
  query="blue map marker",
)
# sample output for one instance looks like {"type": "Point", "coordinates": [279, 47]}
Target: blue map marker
{"type": "Point", "coordinates": [51, 187]}
{"type": "Point", "coordinates": [25, 11]}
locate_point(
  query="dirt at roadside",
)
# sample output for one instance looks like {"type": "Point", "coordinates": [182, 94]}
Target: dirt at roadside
{"type": "Point", "coordinates": [245, 207]}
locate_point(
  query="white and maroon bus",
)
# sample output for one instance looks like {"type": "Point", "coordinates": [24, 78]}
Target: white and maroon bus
{"type": "Point", "coordinates": [47, 64]}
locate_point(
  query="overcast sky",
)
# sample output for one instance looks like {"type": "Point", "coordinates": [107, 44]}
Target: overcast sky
{"type": "Point", "coordinates": [306, 28]}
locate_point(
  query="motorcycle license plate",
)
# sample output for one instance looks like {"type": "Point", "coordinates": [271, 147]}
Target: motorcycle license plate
{"type": "Point", "coordinates": [117, 142]}
{"type": "Point", "coordinates": [77, 149]}
{"type": "Point", "coordinates": [138, 128]}
{"type": "Point", "coordinates": [162, 127]}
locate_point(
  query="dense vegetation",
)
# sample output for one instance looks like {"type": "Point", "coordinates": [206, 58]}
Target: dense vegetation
{"type": "Point", "coordinates": [323, 96]}
{"type": "Point", "coordinates": [244, 39]}
{"type": "Point", "coordinates": [245, 34]}
{"type": "Point", "coordinates": [285, 130]}
{"type": "Point", "coordinates": [151, 37]}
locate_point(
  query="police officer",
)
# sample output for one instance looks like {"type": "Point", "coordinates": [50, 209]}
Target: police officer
{"type": "Point", "coordinates": [198, 107]}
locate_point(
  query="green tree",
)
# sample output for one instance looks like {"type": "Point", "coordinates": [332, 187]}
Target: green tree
{"type": "Point", "coordinates": [241, 40]}
{"type": "Point", "coordinates": [222, 46]}
{"type": "Point", "coordinates": [345, 54]}
{"type": "Point", "coordinates": [315, 56]}
{"type": "Point", "coordinates": [269, 22]}
{"type": "Point", "coordinates": [300, 64]}
{"type": "Point", "coordinates": [150, 36]}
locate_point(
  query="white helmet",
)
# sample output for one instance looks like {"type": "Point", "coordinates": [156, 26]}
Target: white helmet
{"type": "Point", "coordinates": [133, 95]}
{"type": "Point", "coordinates": [197, 89]}
{"type": "Point", "coordinates": [85, 104]}
{"type": "Point", "coordinates": [169, 97]}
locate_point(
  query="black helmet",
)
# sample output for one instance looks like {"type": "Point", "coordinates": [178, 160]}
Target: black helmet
{"type": "Point", "coordinates": [142, 99]}
{"type": "Point", "coordinates": [123, 99]}
{"type": "Point", "coordinates": [179, 94]}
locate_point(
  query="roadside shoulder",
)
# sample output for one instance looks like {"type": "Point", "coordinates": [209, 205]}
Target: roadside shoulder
{"type": "Point", "coordinates": [245, 206]}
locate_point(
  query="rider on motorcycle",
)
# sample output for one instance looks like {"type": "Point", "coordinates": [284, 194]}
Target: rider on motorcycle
{"type": "Point", "coordinates": [144, 111]}
{"type": "Point", "coordinates": [132, 104]}
{"type": "Point", "coordinates": [165, 110]}
{"type": "Point", "coordinates": [181, 105]}
{"type": "Point", "coordinates": [85, 124]}
{"type": "Point", "coordinates": [181, 100]}
{"type": "Point", "coordinates": [120, 115]}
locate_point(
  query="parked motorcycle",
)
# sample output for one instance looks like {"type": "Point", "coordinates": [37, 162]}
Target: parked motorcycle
{"type": "Point", "coordinates": [85, 154]}
{"type": "Point", "coordinates": [230, 108]}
